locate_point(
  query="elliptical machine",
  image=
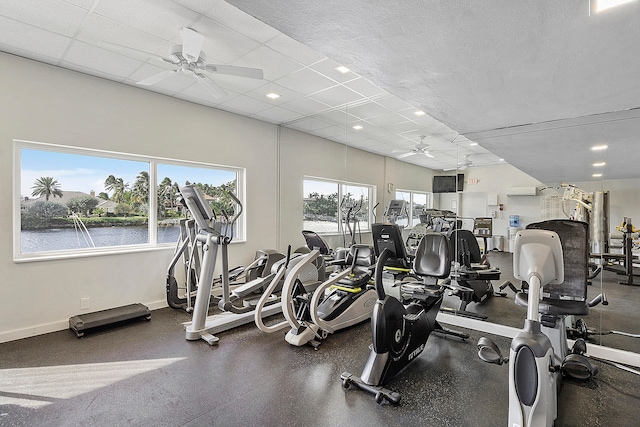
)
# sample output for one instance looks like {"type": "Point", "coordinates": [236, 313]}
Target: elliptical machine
{"type": "Point", "coordinates": [400, 332]}
{"type": "Point", "coordinates": [538, 355]}
{"type": "Point", "coordinates": [343, 300]}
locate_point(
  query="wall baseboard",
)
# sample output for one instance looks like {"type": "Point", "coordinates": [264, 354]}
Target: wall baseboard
{"type": "Point", "coordinates": [61, 325]}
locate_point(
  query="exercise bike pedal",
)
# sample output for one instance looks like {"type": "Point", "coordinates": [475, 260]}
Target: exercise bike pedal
{"type": "Point", "coordinates": [413, 317]}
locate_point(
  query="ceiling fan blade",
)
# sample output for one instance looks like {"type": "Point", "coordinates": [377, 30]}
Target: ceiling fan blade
{"type": "Point", "coordinates": [252, 73]}
{"type": "Point", "coordinates": [191, 44]}
{"type": "Point", "coordinates": [431, 156]}
{"type": "Point", "coordinates": [212, 87]}
{"type": "Point", "coordinates": [402, 156]}
{"type": "Point", "coordinates": [156, 78]}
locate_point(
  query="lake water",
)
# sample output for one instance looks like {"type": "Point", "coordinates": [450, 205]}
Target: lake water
{"type": "Point", "coordinates": [67, 238]}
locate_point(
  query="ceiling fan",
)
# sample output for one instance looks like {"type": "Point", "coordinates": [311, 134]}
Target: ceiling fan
{"type": "Point", "coordinates": [463, 165]}
{"type": "Point", "coordinates": [421, 149]}
{"type": "Point", "coordinates": [189, 59]}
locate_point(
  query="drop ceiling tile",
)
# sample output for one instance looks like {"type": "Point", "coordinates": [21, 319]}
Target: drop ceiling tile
{"type": "Point", "coordinates": [222, 44]}
{"type": "Point", "coordinates": [337, 95]}
{"type": "Point", "coordinates": [327, 67]}
{"type": "Point", "coordinates": [308, 124]}
{"type": "Point", "coordinates": [306, 81]}
{"type": "Point", "coordinates": [200, 6]}
{"type": "Point", "coordinates": [88, 56]}
{"type": "Point", "coordinates": [403, 127]}
{"type": "Point", "coordinates": [277, 115]}
{"type": "Point", "coordinates": [286, 95]}
{"type": "Point", "coordinates": [246, 104]}
{"type": "Point", "coordinates": [369, 109]}
{"type": "Point", "coordinates": [365, 87]}
{"type": "Point", "coordinates": [161, 18]}
{"type": "Point", "coordinates": [236, 83]}
{"type": "Point", "coordinates": [84, 4]}
{"type": "Point", "coordinates": [274, 64]}
{"type": "Point", "coordinates": [241, 22]}
{"type": "Point", "coordinates": [394, 103]}
{"type": "Point", "coordinates": [21, 39]}
{"type": "Point", "coordinates": [52, 15]}
{"type": "Point", "coordinates": [196, 93]}
{"type": "Point", "coordinates": [294, 49]}
{"type": "Point", "coordinates": [305, 106]}
{"type": "Point", "coordinates": [338, 117]}
{"type": "Point", "coordinates": [330, 132]}
{"type": "Point", "coordinates": [99, 29]}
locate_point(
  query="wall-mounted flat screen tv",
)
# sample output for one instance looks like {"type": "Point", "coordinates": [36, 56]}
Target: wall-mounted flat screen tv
{"type": "Point", "coordinates": [448, 183]}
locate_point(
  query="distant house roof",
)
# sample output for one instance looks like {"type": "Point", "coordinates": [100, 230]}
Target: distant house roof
{"type": "Point", "coordinates": [66, 197]}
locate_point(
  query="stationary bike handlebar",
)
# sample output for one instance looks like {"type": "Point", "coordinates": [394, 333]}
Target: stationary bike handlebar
{"type": "Point", "coordinates": [382, 259]}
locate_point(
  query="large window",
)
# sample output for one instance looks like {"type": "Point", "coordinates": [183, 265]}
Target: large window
{"type": "Point", "coordinates": [73, 201]}
{"type": "Point", "coordinates": [416, 203]}
{"type": "Point", "coordinates": [335, 206]}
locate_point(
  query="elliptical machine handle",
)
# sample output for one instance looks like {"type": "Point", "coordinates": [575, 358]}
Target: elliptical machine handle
{"type": "Point", "coordinates": [382, 260]}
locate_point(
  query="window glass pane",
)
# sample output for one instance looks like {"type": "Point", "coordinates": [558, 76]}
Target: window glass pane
{"type": "Point", "coordinates": [355, 202]}
{"type": "Point", "coordinates": [402, 220]}
{"type": "Point", "coordinates": [320, 211]}
{"type": "Point", "coordinates": [71, 201]}
{"type": "Point", "coordinates": [215, 183]}
{"type": "Point", "coordinates": [419, 204]}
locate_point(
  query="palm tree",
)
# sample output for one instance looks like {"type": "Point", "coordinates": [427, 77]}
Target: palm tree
{"type": "Point", "coordinates": [141, 188]}
{"type": "Point", "coordinates": [118, 186]}
{"type": "Point", "coordinates": [46, 186]}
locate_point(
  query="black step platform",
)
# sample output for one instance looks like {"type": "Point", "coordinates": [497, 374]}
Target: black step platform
{"type": "Point", "coordinates": [83, 322]}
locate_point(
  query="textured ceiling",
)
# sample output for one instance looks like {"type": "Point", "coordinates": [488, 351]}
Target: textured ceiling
{"type": "Point", "coordinates": [534, 82]}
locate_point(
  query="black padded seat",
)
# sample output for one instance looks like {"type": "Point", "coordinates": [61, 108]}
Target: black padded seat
{"type": "Point", "coordinates": [433, 258]}
{"type": "Point", "coordinates": [555, 307]}
{"type": "Point", "coordinates": [362, 268]}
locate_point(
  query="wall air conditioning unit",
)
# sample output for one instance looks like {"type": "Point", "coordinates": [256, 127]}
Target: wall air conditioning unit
{"type": "Point", "coordinates": [522, 191]}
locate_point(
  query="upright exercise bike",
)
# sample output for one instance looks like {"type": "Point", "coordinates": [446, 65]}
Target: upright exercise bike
{"type": "Point", "coordinates": [400, 331]}
{"type": "Point", "coordinates": [538, 356]}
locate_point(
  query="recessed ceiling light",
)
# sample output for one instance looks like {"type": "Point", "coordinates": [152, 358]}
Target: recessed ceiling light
{"type": "Point", "coordinates": [502, 160]}
{"type": "Point", "coordinates": [419, 113]}
{"type": "Point", "coordinates": [596, 175]}
{"type": "Point", "coordinates": [273, 95]}
{"type": "Point", "coordinates": [608, 4]}
{"type": "Point", "coordinates": [599, 164]}
{"type": "Point", "coordinates": [357, 127]}
{"type": "Point", "coordinates": [473, 143]}
{"type": "Point", "coordinates": [599, 147]}
{"type": "Point", "coordinates": [343, 69]}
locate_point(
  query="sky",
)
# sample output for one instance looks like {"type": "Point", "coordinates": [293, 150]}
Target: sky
{"type": "Point", "coordinates": [76, 172]}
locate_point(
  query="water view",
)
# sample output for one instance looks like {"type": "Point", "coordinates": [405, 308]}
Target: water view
{"type": "Point", "coordinates": [59, 239]}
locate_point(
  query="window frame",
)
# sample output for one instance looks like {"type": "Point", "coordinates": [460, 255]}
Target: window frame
{"type": "Point", "coordinates": [410, 202]}
{"type": "Point", "coordinates": [372, 190]}
{"type": "Point", "coordinates": [153, 162]}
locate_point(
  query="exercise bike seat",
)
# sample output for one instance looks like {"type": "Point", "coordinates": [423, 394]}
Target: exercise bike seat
{"type": "Point", "coordinates": [555, 307]}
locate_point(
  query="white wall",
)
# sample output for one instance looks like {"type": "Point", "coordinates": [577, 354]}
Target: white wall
{"type": "Point", "coordinates": [303, 155]}
{"type": "Point", "coordinates": [48, 104]}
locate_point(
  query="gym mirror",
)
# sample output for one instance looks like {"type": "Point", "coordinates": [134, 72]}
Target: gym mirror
{"type": "Point", "coordinates": [491, 190]}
